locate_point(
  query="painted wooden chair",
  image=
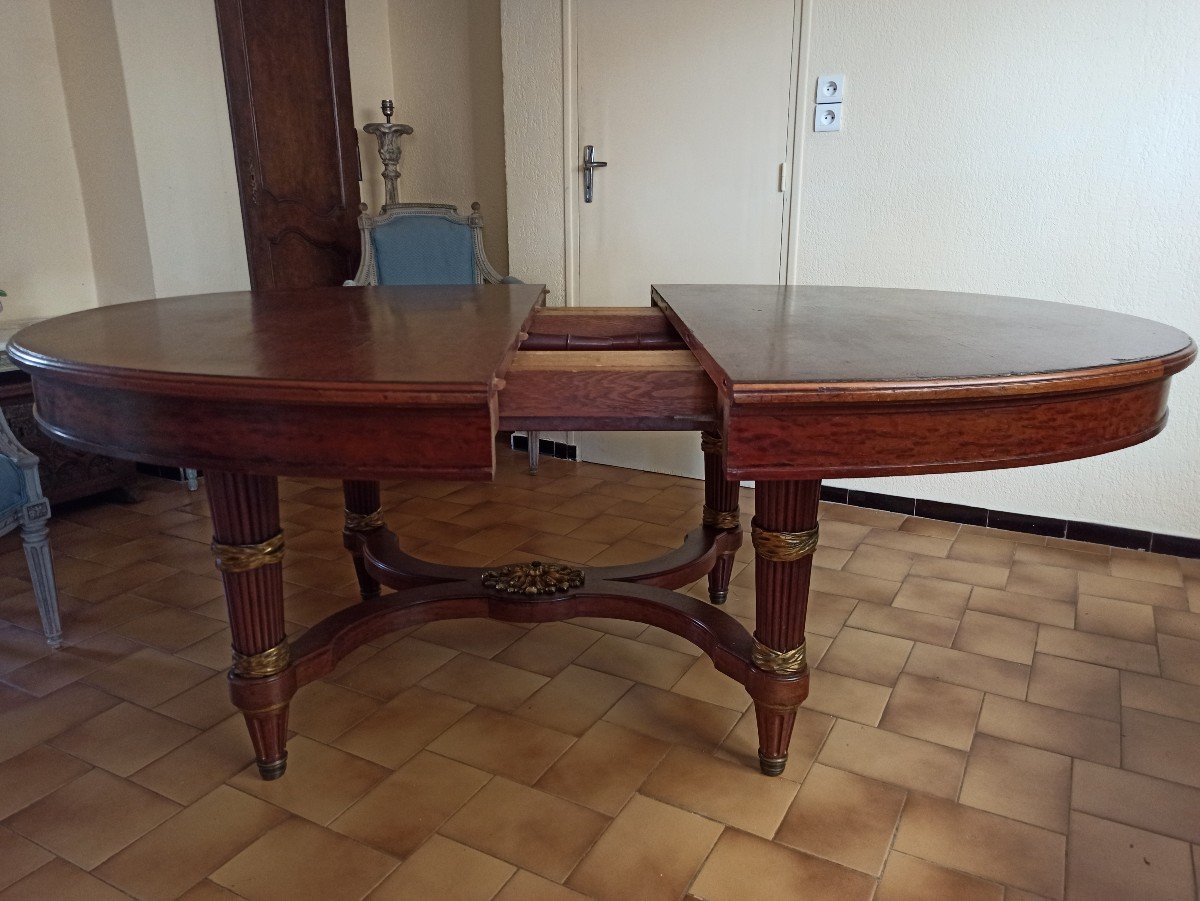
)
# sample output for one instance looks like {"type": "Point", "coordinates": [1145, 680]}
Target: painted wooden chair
{"type": "Point", "coordinates": [23, 505]}
{"type": "Point", "coordinates": [428, 244]}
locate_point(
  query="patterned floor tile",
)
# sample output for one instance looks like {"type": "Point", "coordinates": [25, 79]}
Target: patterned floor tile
{"type": "Point", "coordinates": [992, 715]}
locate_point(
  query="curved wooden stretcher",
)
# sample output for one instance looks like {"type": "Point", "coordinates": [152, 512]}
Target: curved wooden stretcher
{"type": "Point", "coordinates": [787, 386]}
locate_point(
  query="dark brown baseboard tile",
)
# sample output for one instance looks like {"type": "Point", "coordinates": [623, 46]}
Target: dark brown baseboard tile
{"type": "Point", "coordinates": [546, 447]}
{"type": "Point", "coordinates": [1093, 533]}
{"type": "Point", "coordinates": [172, 473]}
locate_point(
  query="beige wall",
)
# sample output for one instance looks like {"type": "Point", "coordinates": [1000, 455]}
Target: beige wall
{"type": "Point", "coordinates": [1049, 150]}
{"type": "Point", "coordinates": [116, 166]}
{"type": "Point", "coordinates": [45, 257]}
{"type": "Point", "coordinates": [89, 60]}
{"type": "Point", "coordinates": [171, 60]}
{"type": "Point", "coordinates": [533, 131]}
{"type": "Point", "coordinates": [446, 59]}
{"type": "Point", "coordinates": [368, 35]}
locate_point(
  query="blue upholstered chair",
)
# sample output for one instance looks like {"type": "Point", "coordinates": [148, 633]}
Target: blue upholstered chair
{"type": "Point", "coordinates": [23, 504]}
{"type": "Point", "coordinates": [428, 244]}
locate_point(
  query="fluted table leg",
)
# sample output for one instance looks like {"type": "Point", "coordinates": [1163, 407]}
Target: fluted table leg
{"type": "Point", "coordinates": [363, 514]}
{"type": "Point", "coordinates": [785, 536]}
{"type": "Point", "coordinates": [720, 511]}
{"type": "Point", "coordinates": [248, 546]}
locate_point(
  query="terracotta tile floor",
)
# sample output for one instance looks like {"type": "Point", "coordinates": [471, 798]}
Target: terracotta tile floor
{"type": "Point", "coordinates": [993, 715]}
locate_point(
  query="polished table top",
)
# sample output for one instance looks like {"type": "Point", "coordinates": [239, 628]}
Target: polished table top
{"type": "Point", "coordinates": [839, 340]}
{"type": "Point", "coordinates": [810, 382]}
{"type": "Point", "coordinates": [796, 335]}
{"type": "Point", "coordinates": [454, 337]}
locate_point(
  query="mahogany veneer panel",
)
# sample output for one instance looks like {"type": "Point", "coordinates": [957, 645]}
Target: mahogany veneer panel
{"type": "Point", "coordinates": [663, 390]}
{"type": "Point", "coordinates": [601, 328]}
{"type": "Point", "coordinates": [336, 381]}
{"type": "Point", "coordinates": [600, 322]}
{"type": "Point", "coordinates": [820, 382]}
{"type": "Point", "coordinates": [297, 163]}
{"type": "Point", "coordinates": [806, 339]}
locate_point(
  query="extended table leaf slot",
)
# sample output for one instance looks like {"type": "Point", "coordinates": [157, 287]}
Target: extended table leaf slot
{"type": "Point", "coordinates": [660, 390]}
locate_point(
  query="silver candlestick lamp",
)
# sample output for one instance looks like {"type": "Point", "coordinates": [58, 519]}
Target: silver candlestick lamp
{"type": "Point", "coordinates": [388, 135]}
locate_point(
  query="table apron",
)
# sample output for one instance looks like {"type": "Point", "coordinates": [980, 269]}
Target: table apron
{"type": "Point", "coordinates": [317, 440]}
{"type": "Point", "coordinates": [858, 440]}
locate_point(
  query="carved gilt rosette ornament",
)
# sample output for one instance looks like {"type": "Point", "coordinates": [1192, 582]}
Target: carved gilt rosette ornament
{"type": "Point", "coordinates": [532, 579]}
{"type": "Point", "coordinates": [388, 134]}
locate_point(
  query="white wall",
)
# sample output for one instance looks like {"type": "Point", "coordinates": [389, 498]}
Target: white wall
{"type": "Point", "coordinates": [117, 178]}
{"type": "Point", "coordinates": [446, 62]}
{"type": "Point", "coordinates": [98, 107]}
{"type": "Point", "coordinates": [1047, 150]}
{"type": "Point", "coordinates": [533, 138]}
{"type": "Point", "coordinates": [368, 34]}
{"type": "Point", "coordinates": [531, 42]}
{"type": "Point", "coordinates": [171, 59]}
{"type": "Point", "coordinates": [1019, 147]}
{"type": "Point", "coordinates": [45, 256]}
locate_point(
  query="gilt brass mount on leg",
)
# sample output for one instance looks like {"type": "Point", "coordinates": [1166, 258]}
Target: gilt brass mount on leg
{"type": "Point", "coordinates": [720, 519]}
{"type": "Point", "coordinates": [783, 547]}
{"type": "Point", "coordinates": [269, 772]}
{"type": "Point", "coordinates": [769, 766]}
{"type": "Point", "coordinates": [264, 663]}
{"type": "Point", "coordinates": [782, 663]}
{"type": "Point", "coordinates": [240, 558]}
{"type": "Point", "coordinates": [364, 522]}
{"type": "Point", "coordinates": [363, 517]}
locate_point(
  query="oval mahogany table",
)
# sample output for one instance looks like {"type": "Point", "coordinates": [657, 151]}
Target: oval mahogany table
{"type": "Point", "coordinates": [788, 385]}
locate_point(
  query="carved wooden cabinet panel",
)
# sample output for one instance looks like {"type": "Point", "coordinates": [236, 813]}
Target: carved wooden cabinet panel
{"type": "Point", "coordinates": [287, 77]}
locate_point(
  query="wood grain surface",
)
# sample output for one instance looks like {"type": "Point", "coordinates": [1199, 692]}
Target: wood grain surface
{"type": "Point", "coordinates": [340, 382]}
{"type": "Point", "coordinates": [818, 382]}
{"type": "Point", "coordinates": [774, 343]}
{"type": "Point", "coordinates": [803, 382]}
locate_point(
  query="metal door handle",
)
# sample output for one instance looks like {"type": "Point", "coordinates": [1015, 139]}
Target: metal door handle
{"type": "Point", "coordinates": [590, 163]}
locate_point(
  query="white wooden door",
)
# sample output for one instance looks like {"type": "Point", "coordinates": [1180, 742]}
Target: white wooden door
{"type": "Point", "coordinates": [687, 101]}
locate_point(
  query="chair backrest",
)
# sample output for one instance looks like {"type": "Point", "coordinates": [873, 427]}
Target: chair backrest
{"type": "Point", "coordinates": [423, 244]}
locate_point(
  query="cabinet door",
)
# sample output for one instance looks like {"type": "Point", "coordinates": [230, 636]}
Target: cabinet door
{"type": "Point", "coordinates": [287, 75]}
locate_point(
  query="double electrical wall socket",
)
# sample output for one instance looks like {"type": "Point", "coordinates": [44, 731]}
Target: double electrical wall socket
{"type": "Point", "coordinates": [831, 89]}
{"type": "Point", "coordinates": [827, 117]}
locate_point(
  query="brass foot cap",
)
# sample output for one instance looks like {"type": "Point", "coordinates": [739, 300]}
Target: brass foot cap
{"type": "Point", "coordinates": [273, 769]}
{"type": "Point", "coordinates": [771, 766]}
{"type": "Point", "coordinates": [718, 597]}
